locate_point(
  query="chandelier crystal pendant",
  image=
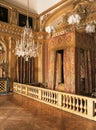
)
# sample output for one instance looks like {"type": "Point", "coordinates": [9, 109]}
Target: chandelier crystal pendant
{"type": "Point", "coordinates": [26, 46]}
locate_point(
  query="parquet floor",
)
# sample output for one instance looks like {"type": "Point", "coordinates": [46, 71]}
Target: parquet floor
{"type": "Point", "coordinates": [27, 114]}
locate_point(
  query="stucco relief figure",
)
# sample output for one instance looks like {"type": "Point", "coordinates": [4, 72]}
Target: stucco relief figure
{"type": "Point", "coordinates": [14, 17]}
{"type": "Point", "coordinates": [3, 63]}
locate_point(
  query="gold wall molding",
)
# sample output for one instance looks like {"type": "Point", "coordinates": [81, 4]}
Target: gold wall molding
{"type": "Point", "coordinates": [15, 31]}
{"type": "Point", "coordinates": [11, 30]}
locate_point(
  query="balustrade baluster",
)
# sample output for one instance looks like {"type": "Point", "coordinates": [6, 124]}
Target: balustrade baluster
{"type": "Point", "coordinates": [55, 98]}
{"type": "Point", "coordinates": [78, 109]}
{"type": "Point", "coordinates": [47, 96]}
{"type": "Point", "coordinates": [86, 106]}
{"type": "Point", "coordinates": [51, 98]}
{"type": "Point", "coordinates": [81, 106]}
{"type": "Point", "coordinates": [69, 102]}
{"type": "Point", "coordinates": [74, 103]}
{"type": "Point", "coordinates": [64, 100]}
{"type": "Point", "coordinates": [21, 89]}
{"type": "Point", "coordinates": [83, 103]}
{"type": "Point", "coordinates": [44, 95]}
{"type": "Point", "coordinates": [16, 88]}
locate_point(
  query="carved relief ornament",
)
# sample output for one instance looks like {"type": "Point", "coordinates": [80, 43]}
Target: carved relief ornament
{"type": "Point", "coordinates": [62, 41]}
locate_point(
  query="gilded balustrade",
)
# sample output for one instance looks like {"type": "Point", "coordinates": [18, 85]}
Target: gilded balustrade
{"type": "Point", "coordinates": [79, 105]}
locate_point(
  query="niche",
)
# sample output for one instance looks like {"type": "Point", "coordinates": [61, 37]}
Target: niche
{"type": "Point", "coordinates": [59, 68]}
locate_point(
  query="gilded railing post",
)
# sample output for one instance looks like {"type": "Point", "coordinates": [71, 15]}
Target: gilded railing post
{"type": "Point", "coordinates": [59, 99]}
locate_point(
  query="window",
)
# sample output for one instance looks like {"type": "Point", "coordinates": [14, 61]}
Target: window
{"type": "Point", "coordinates": [22, 20]}
{"type": "Point", "coordinates": [3, 14]}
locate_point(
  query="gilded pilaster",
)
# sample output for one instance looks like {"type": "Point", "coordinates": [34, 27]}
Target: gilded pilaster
{"type": "Point", "coordinates": [40, 67]}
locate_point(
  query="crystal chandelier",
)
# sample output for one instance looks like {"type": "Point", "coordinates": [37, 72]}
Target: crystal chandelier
{"type": "Point", "coordinates": [26, 47]}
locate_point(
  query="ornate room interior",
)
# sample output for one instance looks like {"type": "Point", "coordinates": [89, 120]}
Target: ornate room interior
{"type": "Point", "coordinates": [48, 53]}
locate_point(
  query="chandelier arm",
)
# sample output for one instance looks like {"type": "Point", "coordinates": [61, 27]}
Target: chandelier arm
{"type": "Point", "coordinates": [27, 22]}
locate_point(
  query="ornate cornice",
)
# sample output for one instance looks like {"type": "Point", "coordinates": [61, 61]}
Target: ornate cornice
{"type": "Point", "coordinates": [11, 6]}
{"type": "Point", "coordinates": [15, 31]}
{"type": "Point", "coordinates": [55, 7]}
{"type": "Point", "coordinates": [10, 30]}
{"type": "Point", "coordinates": [85, 8]}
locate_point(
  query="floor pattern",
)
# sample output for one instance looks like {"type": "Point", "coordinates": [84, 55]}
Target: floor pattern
{"type": "Point", "coordinates": [40, 117]}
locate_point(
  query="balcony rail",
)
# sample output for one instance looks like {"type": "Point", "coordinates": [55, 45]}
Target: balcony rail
{"type": "Point", "coordinates": [79, 105]}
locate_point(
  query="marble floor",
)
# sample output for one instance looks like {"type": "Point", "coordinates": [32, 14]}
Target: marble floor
{"type": "Point", "coordinates": [38, 116]}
